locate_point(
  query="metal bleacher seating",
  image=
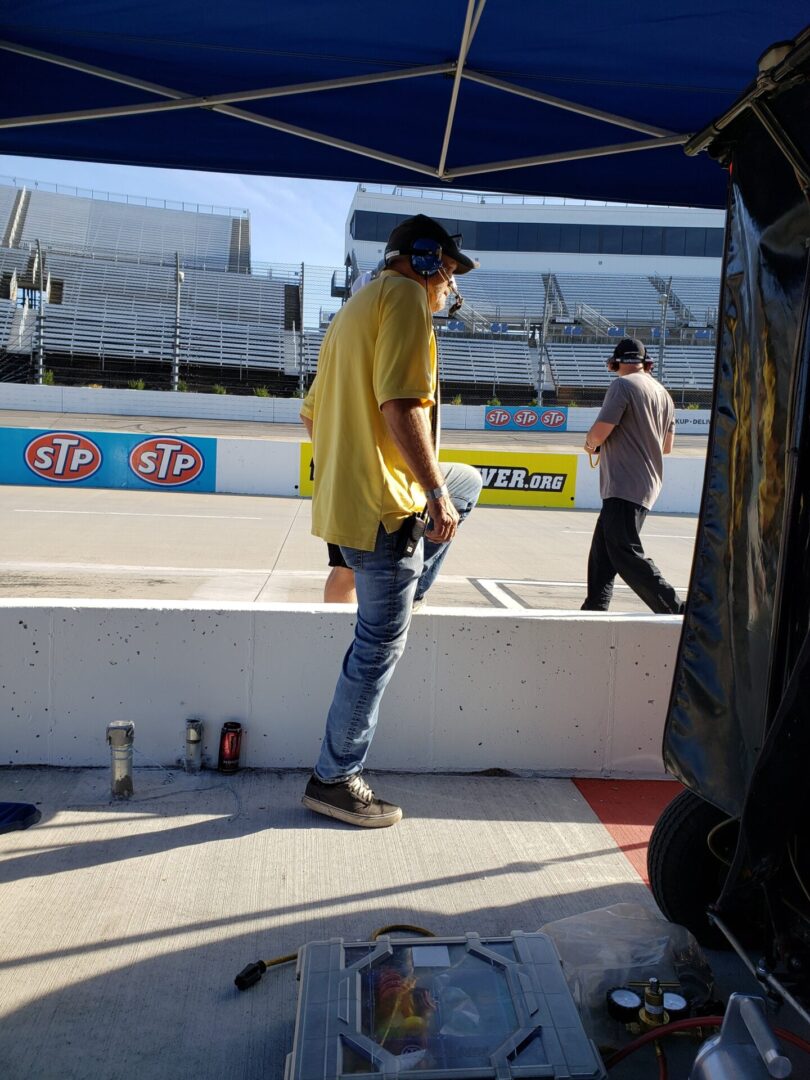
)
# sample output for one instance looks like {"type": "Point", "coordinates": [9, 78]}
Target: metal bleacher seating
{"type": "Point", "coordinates": [8, 196]}
{"type": "Point", "coordinates": [486, 361]}
{"type": "Point", "coordinates": [619, 297]}
{"type": "Point", "coordinates": [127, 310]}
{"type": "Point", "coordinates": [500, 295]}
{"type": "Point", "coordinates": [700, 296]}
{"type": "Point", "coordinates": [583, 365]}
{"type": "Point", "coordinates": [75, 223]}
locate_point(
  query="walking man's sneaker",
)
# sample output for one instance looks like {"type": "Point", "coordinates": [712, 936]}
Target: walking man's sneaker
{"type": "Point", "coordinates": [351, 801]}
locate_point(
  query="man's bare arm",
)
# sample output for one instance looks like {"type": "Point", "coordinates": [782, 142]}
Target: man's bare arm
{"type": "Point", "coordinates": [597, 435]}
{"type": "Point", "coordinates": [307, 422]}
{"type": "Point", "coordinates": [669, 442]}
{"type": "Point", "coordinates": [410, 430]}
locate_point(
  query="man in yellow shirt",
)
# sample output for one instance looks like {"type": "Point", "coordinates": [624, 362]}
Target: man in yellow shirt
{"type": "Point", "coordinates": [371, 409]}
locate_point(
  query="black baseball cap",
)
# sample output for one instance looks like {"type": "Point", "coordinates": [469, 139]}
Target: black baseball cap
{"type": "Point", "coordinates": [630, 351]}
{"type": "Point", "coordinates": [422, 227]}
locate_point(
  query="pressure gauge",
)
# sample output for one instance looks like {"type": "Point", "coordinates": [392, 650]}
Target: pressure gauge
{"type": "Point", "coordinates": [675, 1005]}
{"type": "Point", "coordinates": [623, 1004]}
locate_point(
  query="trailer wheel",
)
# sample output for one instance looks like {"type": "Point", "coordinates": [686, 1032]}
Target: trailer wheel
{"type": "Point", "coordinates": [685, 875]}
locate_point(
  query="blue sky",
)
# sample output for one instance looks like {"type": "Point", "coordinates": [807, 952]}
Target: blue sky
{"type": "Point", "coordinates": [291, 220]}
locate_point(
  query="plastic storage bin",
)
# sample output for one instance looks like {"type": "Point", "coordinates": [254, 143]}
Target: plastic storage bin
{"type": "Point", "coordinates": [438, 1008]}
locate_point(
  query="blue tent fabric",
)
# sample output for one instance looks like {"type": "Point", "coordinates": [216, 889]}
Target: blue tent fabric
{"type": "Point", "coordinates": [674, 67]}
{"type": "Point", "coordinates": [17, 816]}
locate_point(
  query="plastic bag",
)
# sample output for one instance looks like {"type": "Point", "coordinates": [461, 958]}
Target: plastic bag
{"type": "Point", "coordinates": [621, 944]}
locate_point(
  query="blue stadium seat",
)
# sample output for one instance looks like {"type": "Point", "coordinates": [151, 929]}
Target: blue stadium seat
{"type": "Point", "coordinates": [615, 331]}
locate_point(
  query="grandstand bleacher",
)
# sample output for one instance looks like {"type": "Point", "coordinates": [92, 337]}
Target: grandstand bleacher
{"type": "Point", "coordinates": [689, 370]}
{"type": "Point", "coordinates": [497, 295]}
{"type": "Point", "coordinates": [700, 296]}
{"type": "Point", "coordinates": [109, 273]}
{"type": "Point", "coordinates": [76, 223]}
{"type": "Point", "coordinates": [625, 298]}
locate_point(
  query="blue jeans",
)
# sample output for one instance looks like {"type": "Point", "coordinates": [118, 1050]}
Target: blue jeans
{"type": "Point", "coordinates": [386, 588]}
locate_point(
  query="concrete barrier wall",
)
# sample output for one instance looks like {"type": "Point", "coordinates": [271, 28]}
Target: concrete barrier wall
{"type": "Point", "coordinates": [567, 694]}
{"type": "Point", "coordinates": [272, 467]}
{"type": "Point", "coordinates": [79, 399]}
{"type": "Point", "coordinates": [83, 400]}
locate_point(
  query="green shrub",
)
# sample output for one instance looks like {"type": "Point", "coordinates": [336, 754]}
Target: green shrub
{"type": "Point", "coordinates": [218, 388]}
{"type": "Point", "coordinates": [182, 386]}
{"type": "Point", "coordinates": [261, 391]}
{"type": "Point", "coordinates": [136, 384]}
{"type": "Point", "coordinates": [694, 405]}
{"type": "Point", "coordinates": [457, 400]}
{"type": "Point", "coordinates": [47, 378]}
{"type": "Point", "coordinates": [494, 401]}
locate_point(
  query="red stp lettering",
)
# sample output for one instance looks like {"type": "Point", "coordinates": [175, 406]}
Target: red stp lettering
{"type": "Point", "coordinates": [552, 418]}
{"type": "Point", "coordinates": [166, 462]}
{"type": "Point", "coordinates": [63, 456]}
{"type": "Point", "coordinates": [497, 417]}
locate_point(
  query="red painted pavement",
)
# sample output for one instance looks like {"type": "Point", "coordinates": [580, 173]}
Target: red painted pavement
{"type": "Point", "coordinates": [629, 809]}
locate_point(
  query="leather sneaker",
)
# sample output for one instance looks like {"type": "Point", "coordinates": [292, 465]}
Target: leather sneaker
{"type": "Point", "coordinates": [351, 801]}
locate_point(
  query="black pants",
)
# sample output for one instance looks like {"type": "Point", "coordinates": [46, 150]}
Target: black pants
{"type": "Point", "coordinates": [616, 549]}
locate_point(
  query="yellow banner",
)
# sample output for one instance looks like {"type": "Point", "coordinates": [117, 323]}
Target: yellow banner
{"type": "Point", "coordinates": [517, 479]}
{"type": "Point", "coordinates": [510, 479]}
{"type": "Point", "coordinates": [305, 471]}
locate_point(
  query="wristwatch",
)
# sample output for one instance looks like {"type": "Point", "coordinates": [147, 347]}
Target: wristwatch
{"type": "Point", "coordinates": [437, 493]}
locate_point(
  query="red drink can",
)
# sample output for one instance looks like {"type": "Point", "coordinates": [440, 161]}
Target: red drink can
{"type": "Point", "coordinates": [230, 743]}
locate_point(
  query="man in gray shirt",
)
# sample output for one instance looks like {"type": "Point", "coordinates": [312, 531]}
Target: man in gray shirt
{"type": "Point", "coordinates": [634, 429]}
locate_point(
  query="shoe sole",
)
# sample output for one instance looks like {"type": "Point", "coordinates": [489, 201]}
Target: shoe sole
{"type": "Point", "coordinates": [380, 821]}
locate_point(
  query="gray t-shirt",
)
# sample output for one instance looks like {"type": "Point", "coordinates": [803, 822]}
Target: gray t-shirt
{"type": "Point", "coordinates": [632, 459]}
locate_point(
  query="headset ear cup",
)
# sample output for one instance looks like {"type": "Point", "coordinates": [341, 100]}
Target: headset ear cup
{"type": "Point", "coordinates": [426, 257]}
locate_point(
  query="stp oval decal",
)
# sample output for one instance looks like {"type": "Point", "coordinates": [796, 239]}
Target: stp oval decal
{"type": "Point", "coordinates": [552, 418]}
{"type": "Point", "coordinates": [525, 417]}
{"type": "Point", "coordinates": [497, 417]}
{"type": "Point", "coordinates": [166, 462]}
{"type": "Point", "coordinates": [63, 457]}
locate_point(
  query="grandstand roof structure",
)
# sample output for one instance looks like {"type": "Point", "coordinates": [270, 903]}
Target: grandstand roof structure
{"type": "Point", "coordinates": [593, 101]}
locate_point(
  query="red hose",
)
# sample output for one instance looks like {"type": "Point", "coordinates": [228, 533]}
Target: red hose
{"type": "Point", "coordinates": [684, 1025]}
{"type": "Point", "coordinates": [663, 1069]}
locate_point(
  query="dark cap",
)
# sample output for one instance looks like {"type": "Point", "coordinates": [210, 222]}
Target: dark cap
{"type": "Point", "coordinates": [630, 351]}
{"type": "Point", "coordinates": [421, 227]}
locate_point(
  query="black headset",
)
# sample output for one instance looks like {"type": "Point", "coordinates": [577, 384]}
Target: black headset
{"type": "Point", "coordinates": [613, 364]}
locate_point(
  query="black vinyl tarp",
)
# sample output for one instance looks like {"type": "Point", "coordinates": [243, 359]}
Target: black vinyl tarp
{"type": "Point", "coordinates": [749, 608]}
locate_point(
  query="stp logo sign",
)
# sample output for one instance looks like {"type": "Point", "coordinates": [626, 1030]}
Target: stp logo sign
{"type": "Point", "coordinates": [63, 456]}
{"type": "Point", "coordinates": [497, 417]}
{"type": "Point", "coordinates": [166, 462]}
{"type": "Point", "coordinates": [525, 417]}
{"type": "Point", "coordinates": [552, 418]}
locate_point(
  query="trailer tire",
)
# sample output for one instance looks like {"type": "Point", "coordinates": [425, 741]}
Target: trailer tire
{"type": "Point", "coordinates": [685, 876]}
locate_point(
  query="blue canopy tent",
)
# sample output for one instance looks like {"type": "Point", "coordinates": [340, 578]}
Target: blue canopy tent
{"type": "Point", "coordinates": [588, 100]}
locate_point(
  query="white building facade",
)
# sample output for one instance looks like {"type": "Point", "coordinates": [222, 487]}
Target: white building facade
{"type": "Point", "coordinates": [523, 234]}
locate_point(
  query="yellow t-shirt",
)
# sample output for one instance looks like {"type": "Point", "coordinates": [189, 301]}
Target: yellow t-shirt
{"type": "Point", "coordinates": [379, 347]}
